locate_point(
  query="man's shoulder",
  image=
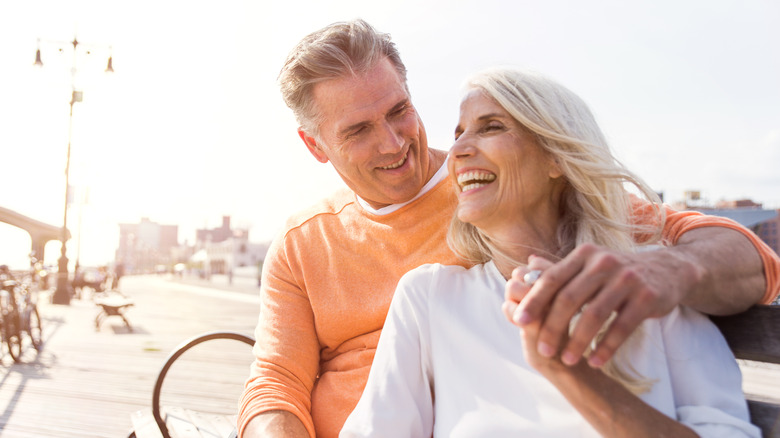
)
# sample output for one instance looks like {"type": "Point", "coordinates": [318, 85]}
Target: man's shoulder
{"type": "Point", "coordinates": [332, 205]}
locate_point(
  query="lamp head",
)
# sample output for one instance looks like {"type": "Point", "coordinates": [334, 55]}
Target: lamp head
{"type": "Point", "coordinates": [38, 62]}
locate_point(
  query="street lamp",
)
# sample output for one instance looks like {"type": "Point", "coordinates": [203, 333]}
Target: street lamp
{"type": "Point", "coordinates": [63, 291]}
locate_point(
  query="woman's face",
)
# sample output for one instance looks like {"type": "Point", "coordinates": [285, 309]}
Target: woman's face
{"type": "Point", "coordinates": [503, 176]}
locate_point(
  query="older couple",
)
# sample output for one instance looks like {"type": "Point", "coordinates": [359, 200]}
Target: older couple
{"type": "Point", "coordinates": [531, 185]}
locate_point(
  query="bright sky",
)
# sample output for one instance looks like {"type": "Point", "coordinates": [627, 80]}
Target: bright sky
{"type": "Point", "coordinates": [191, 126]}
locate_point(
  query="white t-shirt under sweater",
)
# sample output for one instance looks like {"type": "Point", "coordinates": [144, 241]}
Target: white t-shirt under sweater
{"type": "Point", "coordinates": [449, 364]}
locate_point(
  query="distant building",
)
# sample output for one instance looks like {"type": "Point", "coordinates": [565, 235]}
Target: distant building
{"type": "Point", "coordinates": [144, 245]}
{"type": "Point", "coordinates": [226, 256]}
{"type": "Point", "coordinates": [220, 234]}
{"type": "Point", "coordinates": [223, 250]}
{"type": "Point", "coordinates": [767, 231]}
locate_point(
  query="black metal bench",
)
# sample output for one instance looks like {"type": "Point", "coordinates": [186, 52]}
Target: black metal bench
{"type": "Point", "coordinates": [113, 306]}
{"type": "Point", "coordinates": [754, 335]}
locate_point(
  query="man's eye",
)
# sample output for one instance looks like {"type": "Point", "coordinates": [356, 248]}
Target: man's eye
{"type": "Point", "coordinates": [398, 111]}
{"type": "Point", "coordinates": [357, 132]}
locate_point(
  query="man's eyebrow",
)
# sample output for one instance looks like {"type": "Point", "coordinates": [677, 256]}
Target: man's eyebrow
{"type": "Point", "coordinates": [404, 102]}
{"type": "Point", "coordinates": [355, 126]}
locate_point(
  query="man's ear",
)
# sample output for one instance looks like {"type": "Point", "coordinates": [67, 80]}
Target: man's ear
{"type": "Point", "coordinates": [313, 147]}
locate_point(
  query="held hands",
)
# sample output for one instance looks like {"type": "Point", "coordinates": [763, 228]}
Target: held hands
{"type": "Point", "coordinates": [636, 286]}
{"type": "Point", "coordinates": [530, 335]}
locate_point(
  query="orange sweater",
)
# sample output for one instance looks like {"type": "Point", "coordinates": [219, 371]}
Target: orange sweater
{"type": "Point", "coordinates": [326, 289]}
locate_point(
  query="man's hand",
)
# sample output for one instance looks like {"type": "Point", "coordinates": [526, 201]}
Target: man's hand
{"type": "Point", "coordinates": [636, 286]}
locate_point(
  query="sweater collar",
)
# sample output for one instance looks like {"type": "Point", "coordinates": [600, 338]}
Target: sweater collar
{"type": "Point", "coordinates": [438, 177]}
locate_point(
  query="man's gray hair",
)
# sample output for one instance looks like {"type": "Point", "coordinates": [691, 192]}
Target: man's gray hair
{"type": "Point", "coordinates": [335, 51]}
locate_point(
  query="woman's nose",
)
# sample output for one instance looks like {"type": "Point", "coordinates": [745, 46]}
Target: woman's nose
{"type": "Point", "coordinates": [462, 148]}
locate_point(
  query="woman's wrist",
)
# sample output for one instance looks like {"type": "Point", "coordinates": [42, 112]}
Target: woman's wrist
{"type": "Point", "coordinates": [557, 372]}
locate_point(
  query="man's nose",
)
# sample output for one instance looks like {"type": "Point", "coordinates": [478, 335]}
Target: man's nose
{"type": "Point", "coordinates": [390, 139]}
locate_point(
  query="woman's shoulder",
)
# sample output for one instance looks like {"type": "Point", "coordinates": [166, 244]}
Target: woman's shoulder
{"type": "Point", "coordinates": [437, 272]}
{"type": "Point", "coordinates": [435, 280]}
{"type": "Point", "coordinates": [429, 273]}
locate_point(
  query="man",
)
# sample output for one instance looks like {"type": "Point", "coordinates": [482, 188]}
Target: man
{"type": "Point", "coordinates": [329, 278]}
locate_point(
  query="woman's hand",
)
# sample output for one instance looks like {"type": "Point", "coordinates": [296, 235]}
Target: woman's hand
{"type": "Point", "coordinates": [521, 282]}
{"type": "Point", "coordinates": [635, 286]}
{"type": "Point", "coordinates": [539, 356]}
{"type": "Point", "coordinates": [606, 404]}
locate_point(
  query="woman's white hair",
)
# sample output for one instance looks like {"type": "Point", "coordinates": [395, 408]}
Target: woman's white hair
{"type": "Point", "coordinates": [595, 205]}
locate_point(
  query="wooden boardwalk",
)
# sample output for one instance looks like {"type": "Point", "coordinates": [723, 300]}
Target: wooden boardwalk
{"type": "Point", "coordinates": [87, 383]}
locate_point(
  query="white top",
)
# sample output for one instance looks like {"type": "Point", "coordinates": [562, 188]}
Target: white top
{"type": "Point", "coordinates": [446, 340]}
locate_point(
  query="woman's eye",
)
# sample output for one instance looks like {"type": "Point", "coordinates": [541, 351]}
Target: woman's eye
{"type": "Point", "coordinates": [492, 127]}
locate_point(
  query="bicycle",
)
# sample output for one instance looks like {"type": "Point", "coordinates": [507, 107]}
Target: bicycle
{"type": "Point", "coordinates": [19, 315]}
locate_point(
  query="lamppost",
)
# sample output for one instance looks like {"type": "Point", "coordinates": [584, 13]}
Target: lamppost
{"type": "Point", "coordinates": [63, 291]}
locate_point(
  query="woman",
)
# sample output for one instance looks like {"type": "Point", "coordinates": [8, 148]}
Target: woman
{"type": "Point", "coordinates": [536, 178]}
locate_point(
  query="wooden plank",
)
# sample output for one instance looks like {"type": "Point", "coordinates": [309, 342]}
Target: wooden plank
{"type": "Point", "coordinates": [766, 416]}
{"type": "Point", "coordinates": [753, 334]}
{"type": "Point", "coordinates": [144, 425]}
{"type": "Point", "coordinates": [211, 426]}
{"type": "Point", "coordinates": [180, 424]}
{"type": "Point", "coordinates": [87, 384]}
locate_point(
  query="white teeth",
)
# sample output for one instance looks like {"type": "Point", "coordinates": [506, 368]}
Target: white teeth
{"type": "Point", "coordinates": [472, 186]}
{"type": "Point", "coordinates": [395, 165]}
{"type": "Point", "coordinates": [475, 179]}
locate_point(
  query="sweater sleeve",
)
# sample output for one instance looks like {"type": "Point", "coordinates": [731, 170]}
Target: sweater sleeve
{"type": "Point", "coordinates": [679, 222]}
{"type": "Point", "coordinates": [398, 400]}
{"type": "Point", "coordinates": [286, 349]}
{"type": "Point", "coordinates": [705, 378]}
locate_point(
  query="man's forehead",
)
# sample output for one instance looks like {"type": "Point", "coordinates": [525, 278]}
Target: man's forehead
{"type": "Point", "coordinates": [362, 97]}
{"type": "Point", "coordinates": [364, 108]}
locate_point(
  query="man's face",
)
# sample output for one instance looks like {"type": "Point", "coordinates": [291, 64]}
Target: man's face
{"type": "Point", "coordinates": [372, 135]}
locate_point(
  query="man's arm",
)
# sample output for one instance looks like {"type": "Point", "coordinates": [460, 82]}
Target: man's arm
{"type": "Point", "coordinates": [732, 272]}
{"type": "Point", "coordinates": [276, 399]}
{"type": "Point", "coordinates": [713, 269]}
{"type": "Point", "coordinates": [275, 424]}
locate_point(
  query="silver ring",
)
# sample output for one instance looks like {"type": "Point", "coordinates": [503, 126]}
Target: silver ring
{"type": "Point", "coordinates": [531, 277]}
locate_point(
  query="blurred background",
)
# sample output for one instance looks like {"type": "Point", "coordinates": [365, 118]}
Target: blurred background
{"type": "Point", "coordinates": [190, 133]}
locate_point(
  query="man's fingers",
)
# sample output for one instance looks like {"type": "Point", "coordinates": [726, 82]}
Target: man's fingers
{"type": "Point", "coordinates": [588, 284]}
{"type": "Point", "coordinates": [621, 328]}
{"type": "Point", "coordinates": [538, 300]}
{"type": "Point", "coordinates": [593, 317]}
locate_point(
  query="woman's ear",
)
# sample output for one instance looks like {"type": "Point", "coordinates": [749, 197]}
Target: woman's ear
{"type": "Point", "coordinates": [312, 146]}
{"type": "Point", "coordinates": [554, 170]}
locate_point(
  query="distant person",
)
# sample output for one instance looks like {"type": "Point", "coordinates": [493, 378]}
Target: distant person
{"type": "Point", "coordinates": [330, 275]}
{"type": "Point", "coordinates": [536, 181]}
{"type": "Point", "coordinates": [119, 271]}
{"type": "Point", "coordinates": [6, 274]}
